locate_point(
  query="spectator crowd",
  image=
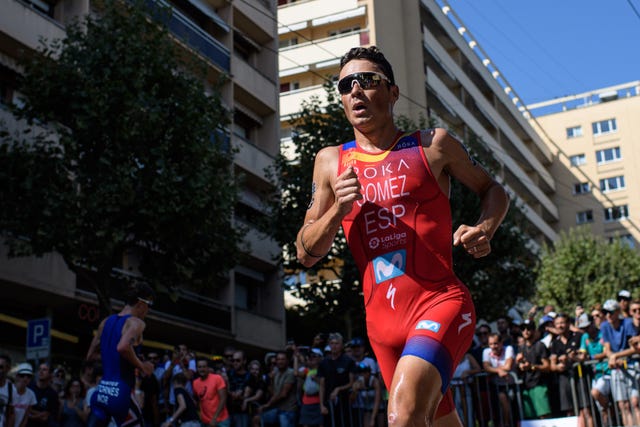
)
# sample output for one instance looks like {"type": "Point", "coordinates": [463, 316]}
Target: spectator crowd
{"type": "Point", "coordinates": [549, 355]}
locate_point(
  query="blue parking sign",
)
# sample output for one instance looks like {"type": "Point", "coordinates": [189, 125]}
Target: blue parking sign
{"type": "Point", "coordinates": [38, 339]}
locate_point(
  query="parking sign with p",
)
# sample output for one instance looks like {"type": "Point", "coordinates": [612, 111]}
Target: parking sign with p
{"type": "Point", "coordinates": [38, 339]}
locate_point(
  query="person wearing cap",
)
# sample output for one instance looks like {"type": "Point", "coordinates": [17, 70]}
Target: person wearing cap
{"type": "Point", "coordinates": [532, 361]}
{"type": "Point", "coordinates": [366, 396]}
{"type": "Point", "coordinates": [25, 398]}
{"type": "Point", "coordinates": [546, 330]}
{"type": "Point", "coordinates": [615, 343]}
{"type": "Point", "coordinates": [115, 343]}
{"type": "Point", "coordinates": [592, 348]}
{"type": "Point", "coordinates": [624, 298]}
{"type": "Point", "coordinates": [310, 413]}
{"type": "Point", "coordinates": [359, 355]}
{"type": "Point", "coordinates": [583, 324]}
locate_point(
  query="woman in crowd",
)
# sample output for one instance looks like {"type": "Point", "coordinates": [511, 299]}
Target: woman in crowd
{"type": "Point", "coordinates": [72, 412]}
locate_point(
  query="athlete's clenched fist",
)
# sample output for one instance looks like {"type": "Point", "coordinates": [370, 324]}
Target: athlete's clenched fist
{"type": "Point", "coordinates": [347, 190]}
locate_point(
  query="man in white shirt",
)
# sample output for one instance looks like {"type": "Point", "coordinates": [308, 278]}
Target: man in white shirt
{"type": "Point", "coordinates": [498, 360]}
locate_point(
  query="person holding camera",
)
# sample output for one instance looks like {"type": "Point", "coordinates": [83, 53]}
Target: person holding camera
{"type": "Point", "coordinates": [181, 362]}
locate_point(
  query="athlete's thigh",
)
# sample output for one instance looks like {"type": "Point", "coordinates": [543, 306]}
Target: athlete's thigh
{"type": "Point", "coordinates": [415, 388]}
{"type": "Point", "coordinates": [387, 358]}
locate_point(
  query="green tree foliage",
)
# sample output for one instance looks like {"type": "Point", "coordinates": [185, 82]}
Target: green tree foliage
{"type": "Point", "coordinates": [507, 275]}
{"type": "Point", "coordinates": [122, 154]}
{"type": "Point", "coordinates": [507, 272]}
{"type": "Point", "coordinates": [319, 124]}
{"type": "Point", "coordinates": [582, 267]}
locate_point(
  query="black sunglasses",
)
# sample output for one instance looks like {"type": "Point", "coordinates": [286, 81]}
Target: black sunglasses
{"type": "Point", "coordinates": [366, 80]}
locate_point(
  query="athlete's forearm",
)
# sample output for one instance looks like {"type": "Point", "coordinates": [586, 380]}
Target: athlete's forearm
{"type": "Point", "coordinates": [315, 238]}
{"type": "Point", "coordinates": [494, 207]}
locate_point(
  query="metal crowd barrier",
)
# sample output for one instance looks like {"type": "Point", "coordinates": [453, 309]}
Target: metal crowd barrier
{"type": "Point", "coordinates": [484, 400]}
{"type": "Point", "coordinates": [481, 401]}
{"type": "Point", "coordinates": [477, 399]}
{"type": "Point", "coordinates": [612, 414]}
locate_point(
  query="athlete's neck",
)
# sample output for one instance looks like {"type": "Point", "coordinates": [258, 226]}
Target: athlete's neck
{"type": "Point", "coordinates": [378, 140]}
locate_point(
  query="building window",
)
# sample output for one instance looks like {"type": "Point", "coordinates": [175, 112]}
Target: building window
{"type": "Point", "coordinates": [612, 184]}
{"type": "Point", "coordinates": [624, 239]}
{"type": "Point", "coordinates": [288, 42]}
{"type": "Point", "coordinates": [578, 159]}
{"type": "Point", "coordinates": [46, 7]}
{"type": "Point", "coordinates": [616, 213]}
{"type": "Point", "coordinates": [243, 125]}
{"type": "Point", "coordinates": [344, 31]}
{"type": "Point", "coordinates": [581, 188]}
{"type": "Point", "coordinates": [604, 126]}
{"type": "Point", "coordinates": [288, 86]}
{"type": "Point", "coordinates": [574, 132]}
{"type": "Point", "coordinates": [584, 217]}
{"type": "Point", "coordinates": [608, 155]}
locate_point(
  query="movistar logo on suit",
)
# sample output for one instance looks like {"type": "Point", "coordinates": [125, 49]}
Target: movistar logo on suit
{"type": "Point", "coordinates": [390, 265]}
{"type": "Point", "coordinates": [429, 325]}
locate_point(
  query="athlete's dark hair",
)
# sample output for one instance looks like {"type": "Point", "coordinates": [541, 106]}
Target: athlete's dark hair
{"type": "Point", "coordinates": [373, 54]}
{"type": "Point", "coordinates": [139, 290]}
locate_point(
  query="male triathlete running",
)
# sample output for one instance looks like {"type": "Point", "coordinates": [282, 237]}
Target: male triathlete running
{"type": "Point", "coordinates": [115, 342]}
{"type": "Point", "coordinates": [389, 190]}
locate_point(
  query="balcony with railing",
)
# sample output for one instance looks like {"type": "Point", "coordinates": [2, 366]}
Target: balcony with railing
{"type": "Point", "coordinates": [195, 37]}
{"type": "Point", "coordinates": [291, 102]}
{"type": "Point", "coordinates": [289, 15]}
{"type": "Point", "coordinates": [25, 24]}
{"type": "Point", "coordinates": [305, 56]}
{"type": "Point", "coordinates": [251, 158]}
{"type": "Point", "coordinates": [254, 83]}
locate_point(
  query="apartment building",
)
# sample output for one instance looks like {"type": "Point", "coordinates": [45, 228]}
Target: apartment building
{"type": "Point", "coordinates": [441, 71]}
{"type": "Point", "coordinates": [594, 140]}
{"type": "Point", "coordinates": [238, 39]}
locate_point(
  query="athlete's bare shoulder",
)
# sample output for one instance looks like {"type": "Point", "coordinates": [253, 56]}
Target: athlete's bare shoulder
{"type": "Point", "coordinates": [326, 163]}
{"type": "Point", "coordinates": [134, 325]}
{"type": "Point", "coordinates": [133, 328]}
{"type": "Point", "coordinates": [328, 154]}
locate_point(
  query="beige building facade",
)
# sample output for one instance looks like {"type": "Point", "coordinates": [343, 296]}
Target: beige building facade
{"type": "Point", "coordinates": [237, 39]}
{"type": "Point", "coordinates": [442, 73]}
{"type": "Point", "coordinates": [594, 140]}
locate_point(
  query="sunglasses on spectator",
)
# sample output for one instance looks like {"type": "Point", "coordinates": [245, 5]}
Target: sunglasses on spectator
{"type": "Point", "coordinates": [366, 80]}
